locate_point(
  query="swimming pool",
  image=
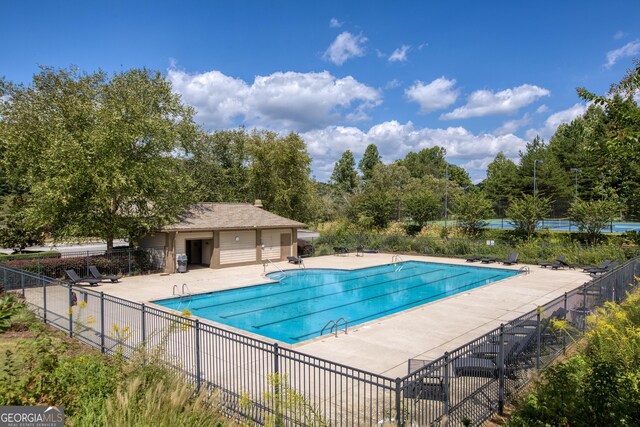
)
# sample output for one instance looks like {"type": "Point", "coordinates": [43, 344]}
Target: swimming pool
{"type": "Point", "coordinates": [297, 307]}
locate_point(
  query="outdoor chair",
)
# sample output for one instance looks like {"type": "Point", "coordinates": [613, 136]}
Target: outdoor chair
{"type": "Point", "coordinates": [102, 277]}
{"type": "Point", "coordinates": [77, 280]}
{"type": "Point", "coordinates": [588, 268]}
{"type": "Point", "coordinates": [474, 258]}
{"type": "Point", "coordinates": [294, 260]}
{"type": "Point", "coordinates": [488, 260]}
{"type": "Point", "coordinates": [427, 387]}
{"type": "Point", "coordinates": [359, 251]}
{"type": "Point", "coordinates": [340, 250]}
{"type": "Point", "coordinates": [607, 269]}
{"type": "Point", "coordinates": [558, 262]}
{"type": "Point", "coordinates": [511, 259]}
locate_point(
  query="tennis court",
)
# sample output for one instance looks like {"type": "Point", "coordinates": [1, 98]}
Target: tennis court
{"type": "Point", "coordinates": [565, 224]}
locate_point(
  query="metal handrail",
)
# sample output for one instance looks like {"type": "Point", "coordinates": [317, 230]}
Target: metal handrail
{"type": "Point", "coordinates": [267, 262]}
{"type": "Point", "coordinates": [174, 292]}
{"type": "Point", "coordinates": [188, 292]}
{"type": "Point", "coordinates": [525, 269]}
{"type": "Point", "coordinates": [330, 322]}
{"type": "Point", "coordinates": [337, 325]}
{"type": "Point", "coordinates": [396, 259]}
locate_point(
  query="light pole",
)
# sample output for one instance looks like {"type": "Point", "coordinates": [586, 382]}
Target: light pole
{"type": "Point", "coordinates": [535, 184]}
{"type": "Point", "coordinates": [446, 192]}
{"type": "Point", "coordinates": [576, 171]}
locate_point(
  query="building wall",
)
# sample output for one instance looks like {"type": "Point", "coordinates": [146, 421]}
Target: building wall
{"type": "Point", "coordinates": [237, 247]}
{"type": "Point", "coordinates": [271, 243]}
{"type": "Point", "coordinates": [153, 240]}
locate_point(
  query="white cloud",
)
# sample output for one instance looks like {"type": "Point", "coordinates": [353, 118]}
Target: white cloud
{"type": "Point", "coordinates": [392, 84]}
{"type": "Point", "coordinates": [512, 126]}
{"type": "Point", "coordinates": [394, 140]}
{"type": "Point", "coordinates": [485, 102]}
{"type": "Point", "coordinates": [555, 120]}
{"type": "Point", "coordinates": [629, 49]}
{"type": "Point", "coordinates": [334, 23]}
{"type": "Point", "coordinates": [542, 109]}
{"type": "Point", "coordinates": [436, 95]}
{"type": "Point", "coordinates": [400, 54]}
{"type": "Point", "coordinates": [422, 46]}
{"type": "Point", "coordinates": [290, 101]}
{"type": "Point", "coordinates": [619, 35]}
{"type": "Point", "coordinates": [344, 47]}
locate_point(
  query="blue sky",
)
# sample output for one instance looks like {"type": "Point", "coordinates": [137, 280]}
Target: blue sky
{"type": "Point", "coordinates": [474, 77]}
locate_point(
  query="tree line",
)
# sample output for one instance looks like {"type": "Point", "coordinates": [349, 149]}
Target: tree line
{"type": "Point", "coordinates": [109, 156]}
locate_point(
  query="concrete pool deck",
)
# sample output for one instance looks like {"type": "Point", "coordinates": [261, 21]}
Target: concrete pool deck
{"type": "Point", "coordinates": [384, 345]}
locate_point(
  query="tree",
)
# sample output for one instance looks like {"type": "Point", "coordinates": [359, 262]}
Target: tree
{"type": "Point", "coordinates": [471, 211]}
{"type": "Point", "coordinates": [422, 206]}
{"type": "Point", "coordinates": [525, 213]}
{"type": "Point", "coordinates": [279, 174]}
{"type": "Point", "coordinates": [369, 160]}
{"type": "Point", "coordinates": [97, 156]}
{"type": "Point", "coordinates": [15, 232]}
{"type": "Point", "coordinates": [344, 176]}
{"type": "Point", "coordinates": [373, 208]}
{"type": "Point", "coordinates": [219, 165]}
{"type": "Point", "coordinates": [592, 216]}
{"type": "Point", "coordinates": [501, 183]}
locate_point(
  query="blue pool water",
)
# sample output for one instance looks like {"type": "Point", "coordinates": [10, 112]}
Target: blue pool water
{"type": "Point", "coordinates": [297, 307]}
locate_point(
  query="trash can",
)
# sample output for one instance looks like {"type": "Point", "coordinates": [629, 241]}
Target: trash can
{"type": "Point", "coordinates": [182, 263]}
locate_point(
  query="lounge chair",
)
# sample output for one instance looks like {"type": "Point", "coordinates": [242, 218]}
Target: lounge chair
{"type": "Point", "coordinates": [294, 260]}
{"type": "Point", "coordinates": [428, 386]}
{"type": "Point", "coordinates": [604, 264]}
{"type": "Point", "coordinates": [607, 269]}
{"type": "Point", "coordinates": [77, 280]}
{"type": "Point", "coordinates": [558, 261]}
{"type": "Point", "coordinates": [488, 260]}
{"type": "Point", "coordinates": [102, 277]}
{"type": "Point", "coordinates": [340, 250]}
{"type": "Point", "coordinates": [474, 258]}
{"type": "Point", "coordinates": [511, 259]}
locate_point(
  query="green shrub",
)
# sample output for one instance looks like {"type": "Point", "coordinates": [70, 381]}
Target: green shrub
{"type": "Point", "coordinates": [31, 255]}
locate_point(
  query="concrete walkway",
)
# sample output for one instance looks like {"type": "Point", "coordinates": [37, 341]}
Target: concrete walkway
{"type": "Point", "coordinates": [382, 346]}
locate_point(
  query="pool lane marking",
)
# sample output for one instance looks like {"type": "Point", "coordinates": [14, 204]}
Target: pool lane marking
{"type": "Point", "coordinates": [328, 295]}
{"type": "Point", "coordinates": [357, 302]}
{"type": "Point", "coordinates": [395, 309]}
{"type": "Point", "coordinates": [301, 289]}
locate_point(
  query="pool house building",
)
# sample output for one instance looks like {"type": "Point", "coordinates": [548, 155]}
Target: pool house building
{"type": "Point", "coordinates": [220, 235]}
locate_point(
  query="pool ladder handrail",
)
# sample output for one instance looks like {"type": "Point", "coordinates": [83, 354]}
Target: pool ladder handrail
{"type": "Point", "coordinates": [188, 291]}
{"type": "Point", "coordinates": [397, 259]}
{"type": "Point", "coordinates": [525, 269]}
{"type": "Point", "coordinates": [267, 262]}
{"type": "Point", "coordinates": [335, 324]}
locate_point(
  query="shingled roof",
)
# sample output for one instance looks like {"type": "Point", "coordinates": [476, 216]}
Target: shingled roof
{"type": "Point", "coordinates": [229, 216]}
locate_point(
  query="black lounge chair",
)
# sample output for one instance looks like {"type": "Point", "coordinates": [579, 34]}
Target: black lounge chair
{"type": "Point", "coordinates": [294, 260]}
{"type": "Point", "coordinates": [559, 261]}
{"type": "Point", "coordinates": [96, 273]}
{"type": "Point", "coordinates": [340, 250]}
{"type": "Point", "coordinates": [428, 386]}
{"type": "Point", "coordinates": [488, 260]}
{"type": "Point", "coordinates": [588, 268]}
{"type": "Point", "coordinates": [607, 269]}
{"type": "Point", "coordinates": [77, 280]}
{"type": "Point", "coordinates": [511, 259]}
{"type": "Point", "coordinates": [474, 258]}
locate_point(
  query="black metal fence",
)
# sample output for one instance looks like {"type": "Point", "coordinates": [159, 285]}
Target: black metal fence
{"type": "Point", "coordinates": [263, 381]}
{"type": "Point", "coordinates": [122, 261]}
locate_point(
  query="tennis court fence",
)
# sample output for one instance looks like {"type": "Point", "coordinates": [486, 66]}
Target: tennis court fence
{"type": "Point", "coordinates": [263, 381]}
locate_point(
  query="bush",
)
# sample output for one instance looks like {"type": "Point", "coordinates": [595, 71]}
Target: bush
{"type": "Point", "coordinates": [598, 387]}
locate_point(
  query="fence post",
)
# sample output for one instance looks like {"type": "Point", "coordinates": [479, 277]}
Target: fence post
{"type": "Point", "coordinates": [198, 366]}
{"type": "Point", "coordinates": [501, 371]}
{"type": "Point", "coordinates": [539, 309]}
{"type": "Point", "coordinates": [71, 310]}
{"type": "Point", "coordinates": [38, 266]}
{"type": "Point", "coordinates": [102, 349]}
{"type": "Point", "coordinates": [276, 384]}
{"type": "Point", "coordinates": [22, 283]}
{"type": "Point", "coordinates": [143, 325]}
{"type": "Point", "coordinates": [399, 420]}
{"type": "Point", "coordinates": [129, 260]}
{"type": "Point", "coordinates": [564, 332]}
{"type": "Point", "coordinates": [584, 307]}
{"type": "Point", "coordinates": [446, 386]}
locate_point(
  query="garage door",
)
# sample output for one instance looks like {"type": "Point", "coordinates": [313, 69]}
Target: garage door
{"type": "Point", "coordinates": [237, 246]}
